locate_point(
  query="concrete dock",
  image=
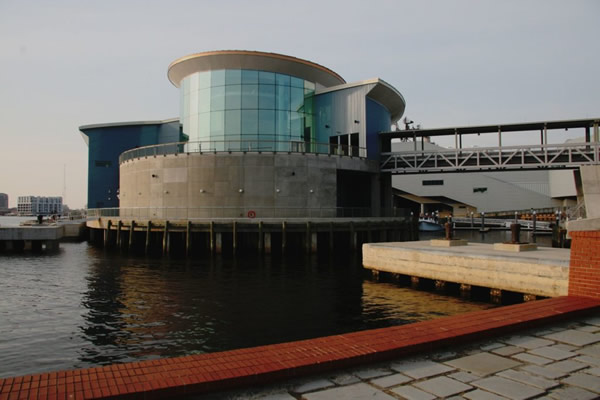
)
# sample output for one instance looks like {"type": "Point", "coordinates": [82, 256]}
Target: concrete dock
{"type": "Point", "coordinates": [39, 237]}
{"type": "Point", "coordinates": [543, 272]}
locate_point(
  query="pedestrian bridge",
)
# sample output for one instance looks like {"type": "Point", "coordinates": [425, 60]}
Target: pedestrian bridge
{"type": "Point", "coordinates": [521, 157]}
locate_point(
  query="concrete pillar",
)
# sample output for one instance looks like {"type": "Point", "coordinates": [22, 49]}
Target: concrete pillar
{"type": "Point", "coordinates": [313, 242]}
{"type": "Point", "coordinates": [529, 297]}
{"type": "Point", "coordinates": [414, 282]}
{"type": "Point", "coordinates": [188, 238]}
{"type": "Point", "coordinates": [267, 242]}
{"type": "Point", "coordinates": [496, 296]}
{"type": "Point", "coordinates": [52, 245]}
{"type": "Point", "coordinates": [119, 227]}
{"type": "Point", "coordinates": [465, 291]}
{"type": "Point", "coordinates": [211, 236]}
{"type": "Point", "coordinates": [283, 236]}
{"type": "Point", "coordinates": [440, 286]}
{"type": "Point", "coordinates": [107, 234]}
{"type": "Point", "coordinates": [148, 231]}
{"type": "Point", "coordinates": [131, 230]}
{"type": "Point", "coordinates": [375, 274]}
{"type": "Point", "coordinates": [261, 243]}
{"type": "Point", "coordinates": [234, 233]}
{"type": "Point", "coordinates": [590, 182]}
{"type": "Point", "coordinates": [165, 243]}
{"type": "Point", "coordinates": [36, 245]}
{"type": "Point", "coordinates": [218, 242]}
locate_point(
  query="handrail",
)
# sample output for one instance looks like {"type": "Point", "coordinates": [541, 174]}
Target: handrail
{"type": "Point", "coordinates": [249, 212]}
{"type": "Point", "coordinates": [523, 156]}
{"type": "Point", "coordinates": [242, 146]}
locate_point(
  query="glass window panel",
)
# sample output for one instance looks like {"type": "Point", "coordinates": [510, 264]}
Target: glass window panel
{"type": "Point", "coordinates": [217, 98]}
{"type": "Point", "coordinates": [266, 122]}
{"type": "Point", "coordinates": [233, 76]}
{"type": "Point", "coordinates": [233, 122]}
{"type": "Point", "coordinates": [185, 85]}
{"type": "Point", "coordinates": [266, 77]}
{"type": "Point", "coordinates": [297, 126]}
{"type": "Point", "coordinates": [283, 98]}
{"type": "Point", "coordinates": [297, 82]}
{"type": "Point", "coordinates": [266, 97]}
{"type": "Point", "coordinates": [204, 100]}
{"type": "Point", "coordinates": [204, 126]}
{"type": "Point", "coordinates": [309, 85]}
{"type": "Point", "coordinates": [267, 143]}
{"type": "Point", "coordinates": [193, 83]}
{"type": "Point", "coordinates": [249, 76]}
{"type": "Point", "coordinates": [249, 122]}
{"type": "Point", "coordinates": [217, 123]}
{"type": "Point", "coordinates": [249, 96]}
{"type": "Point", "coordinates": [233, 97]}
{"type": "Point", "coordinates": [193, 127]}
{"type": "Point", "coordinates": [283, 125]}
{"type": "Point", "coordinates": [193, 102]}
{"type": "Point", "coordinates": [186, 105]}
{"type": "Point", "coordinates": [217, 78]}
{"type": "Point", "coordinates": [203, 79]}
{"type": "Point", "coordinates": [283, 80]}
{"type": "Point", "coordinates": [296, 99]}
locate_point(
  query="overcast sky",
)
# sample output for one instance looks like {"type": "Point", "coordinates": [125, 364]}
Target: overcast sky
{"type": "Point", "coordinates": [72, 63]}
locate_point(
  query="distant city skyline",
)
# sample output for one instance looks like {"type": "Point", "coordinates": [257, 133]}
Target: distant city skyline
{"type": "Point", "coordinates": [70, 63]}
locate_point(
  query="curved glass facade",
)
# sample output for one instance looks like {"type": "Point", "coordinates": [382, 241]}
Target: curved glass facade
{"type": "Point", "coordinates": [246, 106]}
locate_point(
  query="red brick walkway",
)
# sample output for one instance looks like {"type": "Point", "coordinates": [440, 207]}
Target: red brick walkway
{"type": "Point", "coordinates": [171, 377]}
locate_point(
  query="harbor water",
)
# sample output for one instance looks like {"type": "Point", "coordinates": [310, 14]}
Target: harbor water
{"type": "Point", "coordinates": [82, 306]}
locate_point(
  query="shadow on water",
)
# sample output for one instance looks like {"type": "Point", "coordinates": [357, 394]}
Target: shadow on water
{"type": "Point", "coordinates": [85, 307]}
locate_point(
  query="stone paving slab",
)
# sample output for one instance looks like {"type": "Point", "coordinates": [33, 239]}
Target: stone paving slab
{"type": "Point", "coordinates": [572, 393]}
{"type": "Point", "coordinates": [593, 350]}
{"type": "Point", "coordinates": [412, 393]}
{"type": "Point", "coordinates": [313, 385]}
{"type": "Point", "coordinates": [552, 353]}
{"type": "Point", "coordinates": [528, 342]}
{"type": "Point", "coordinates": [443, 386]}
{"type": "Point", "coordinates": [508, 350]}
{"type": "Point", "coordinates": [574, 337]}
{"type": "Point", "coordinates": [544, 371]}
{"type": "Point", "coordinates": [358, 391]}
{"type": "Point", "coordinates": [588, 360]}
{"type": "Point", "coordinates": [479, 394]}
{"type": "Point", "coordinates": [391, 380]}
{"type": "Point", "coordinates": [529, 379]}
{"type": "Point", "coordinates": [418, 369]}
{"type": "Point", "coordinates": [567, 366]}
{"type": "Point", "coordinates": [464, 377]}
{"type": "Point", "coordinates": [532, 359]}
{"type": "Point", "coordinates": [507, 388]}
{"type": "Point", "coordinates": [584, 381]}
{"type": "Point", "coordinates": [483, 364]}
{"type": "Point", "coordinates": [372, 373]}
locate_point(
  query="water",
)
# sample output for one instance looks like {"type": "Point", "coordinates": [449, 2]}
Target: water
{"type": "Point", "coordinates": [82, 307]}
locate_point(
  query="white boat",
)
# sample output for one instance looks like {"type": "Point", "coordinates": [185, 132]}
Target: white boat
{"type": "Point", "coordinates": [429, 225]}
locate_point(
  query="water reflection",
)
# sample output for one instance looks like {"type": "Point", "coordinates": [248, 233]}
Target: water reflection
{"type": "Point", "coordinates": [83, 307]}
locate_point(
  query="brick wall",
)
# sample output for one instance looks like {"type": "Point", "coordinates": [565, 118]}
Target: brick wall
{"type": "Point", "coordinates": [584, 269]}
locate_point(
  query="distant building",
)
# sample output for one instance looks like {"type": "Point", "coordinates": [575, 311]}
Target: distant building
{"type": "Point", "coordinates": [3, 203]}
{"type": "Point", "coordinates": [39, 205]}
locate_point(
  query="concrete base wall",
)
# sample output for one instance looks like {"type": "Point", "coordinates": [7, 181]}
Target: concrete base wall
{"type": "Point", "coordinates": [543, 272]}
{"type": "Point", "coordinates": [590, 180]}
{"type": "Point", "coordinates": [237, 180]}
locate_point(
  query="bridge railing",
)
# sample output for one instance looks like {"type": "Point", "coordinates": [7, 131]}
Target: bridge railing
{"type": "Point", "coordinates": [505, 157]}
{"type": "Point", "coordinates": [243, 146]}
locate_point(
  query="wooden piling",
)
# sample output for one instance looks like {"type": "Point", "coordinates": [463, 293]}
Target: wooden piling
{"type": "Point", "coordinates": [261, 242]}
{"type": "Point", "coordinates": [165, 244]}
{"type": "Point", "coordinates": [188, 239]}
{"type": "Point", "coordinates": [234, 233]}
{"type": "Point", "coordinates": [148, 231]}
{"type": "Point", "coordinates": [119, 226]}
{"type": "Point", "coordinates": [283, 236]}
{"type": "Point", "coordinates": [211, 236]}
{"type": "Point", "coordinates": [107, 234]}
{"type": "Point", "coordinates": [331, 236]}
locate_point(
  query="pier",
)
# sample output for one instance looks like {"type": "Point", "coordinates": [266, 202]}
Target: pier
{"type": "Point", "coordinates": [229, 235]}
{"type": "Point", "coordinates": [39, 237]}
{"type": "Point", "coordinates": [543, 272]}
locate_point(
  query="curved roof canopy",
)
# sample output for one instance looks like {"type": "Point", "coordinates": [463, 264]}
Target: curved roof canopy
{"type": "Point", "coordinates": [256, 60]}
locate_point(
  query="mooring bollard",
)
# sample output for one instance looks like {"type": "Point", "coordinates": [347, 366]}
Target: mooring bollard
{"type": "Point", "coordinates": [448, 228]}
{"type": "Point", "coordinates": [515, 230]}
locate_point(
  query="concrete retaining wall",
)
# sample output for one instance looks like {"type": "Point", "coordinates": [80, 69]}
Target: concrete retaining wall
{"type": "Point", "coordinates": [235, 180]}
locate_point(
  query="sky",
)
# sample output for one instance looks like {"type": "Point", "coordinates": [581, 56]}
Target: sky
{"type": "Point", "coordinates": [65, 64]}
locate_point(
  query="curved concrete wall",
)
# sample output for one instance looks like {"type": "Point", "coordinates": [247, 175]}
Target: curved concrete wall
{"type": "Point", "coordinates": [231, 185]}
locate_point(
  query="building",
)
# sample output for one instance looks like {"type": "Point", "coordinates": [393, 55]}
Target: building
{"type": "Point", "coordinates": [3, 203]}
{"type": "Point", "coordinates": [39, 205]}
{"type": "Point", "coordinates": [259, 134]}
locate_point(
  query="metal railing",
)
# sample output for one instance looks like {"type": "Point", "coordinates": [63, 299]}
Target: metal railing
{"type": "Point", "coordinates": [242, 146]}
{"type": "Point", "coordinates": [501, 158]}
{"type": "Point", "coordinates": [241, 212]}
